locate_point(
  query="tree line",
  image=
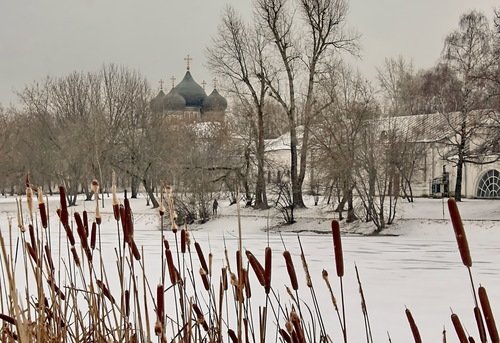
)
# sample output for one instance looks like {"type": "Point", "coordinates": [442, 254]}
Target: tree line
{"type": "Point", "coordinates": [284, 72]}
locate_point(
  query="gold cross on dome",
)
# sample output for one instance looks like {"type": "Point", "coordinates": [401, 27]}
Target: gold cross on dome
{"type": "Point", "coordinates": [173, 81]}
{"type": "Point", "coordinates": [215, 83]}
{"type": "Point", "coordinates": [161, 84]}
{"type": "Point", "coordinates": [203, 84]}
{"type": "Point", "coordinates": [188, 60]}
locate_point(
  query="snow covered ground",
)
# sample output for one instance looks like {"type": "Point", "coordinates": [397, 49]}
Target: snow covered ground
{"type": "Point", "coordinates": [415, 263]}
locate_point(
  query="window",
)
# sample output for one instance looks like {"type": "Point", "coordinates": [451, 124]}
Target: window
{"type": "Point", "coordinates": [489, 185]}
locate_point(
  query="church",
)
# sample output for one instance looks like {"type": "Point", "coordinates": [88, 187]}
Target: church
{"type": "Point", "coordinates": [188, 101]}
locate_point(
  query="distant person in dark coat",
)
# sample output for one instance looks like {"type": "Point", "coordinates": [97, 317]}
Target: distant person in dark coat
{"type": "Point", "coordinates": [215, 205]}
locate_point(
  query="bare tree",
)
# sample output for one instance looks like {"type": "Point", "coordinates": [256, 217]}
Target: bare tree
{"type": "Point", "coordinates": [237, 54]}
{"type": "Point", "coordinates": [323, 22]}
{"type": "Point", "coordinates": [466, 52]}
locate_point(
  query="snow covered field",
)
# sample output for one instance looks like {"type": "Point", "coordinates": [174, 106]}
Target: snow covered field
{"type": "Point", "coordinates": [415, 263]}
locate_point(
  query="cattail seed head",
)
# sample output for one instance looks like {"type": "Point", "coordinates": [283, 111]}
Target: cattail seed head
{"type": "Point", "coordinates": [306, 270]}
{"type": "Point", "coordinates": [246, 279]}
{"type": "Point", "coordinates": [93, 235]}
{"type": "Point", "coordinates": [48, 256]}
{"type": "Point", "coordinates": [291, 270]}
{"type": "Point", "coordinates": [183, 241]}
{"type": "Point", "coordinates": [41, 208]}
{"type": "Point", "coordinates": [488, 315]}
{"type": "Point", "coordinates": [256, 266]}
{"type": "Point", "coordinates": [64, 216]}
{"type": "Point", "coordinates": [172, 271]}
{"type": "Point", "coordinates": [105, 291]}
{"type": "Point", "coordinates": [201, 257]}
{"type": "Point", "coordinates": [337, 247]}
{"type": "Point", "coordinates": [285, 336]}
{"type": "Point", "coordinates": [127, 303]}
{"type": "Point", "coordinates": [204, 278]}
{"type": "Point", "coordinates": [29, 200]}
{"type": "Point", "coordinates": [75, 256]}
{"type": "Point", "coordinates": [413, 327]}
{"type": "Point", "coordinates": [32, 237]}
{"type": "Point", "coordinates": [85, 218]}
{"type": "Point", "coordinates": [160, 306]}
{"type": "Point", "coordinates": [135, 250]}
{"type": "Point", "coordinates": [458, 328]}
{"type": "Point", "coordinates": [480, 324]}
{"type": "Point", "coordinates": [94, 186]}
{"type": "Point", "coordinates": [460, 236]}
{"type": "Point", "coordinates": [267, 269]}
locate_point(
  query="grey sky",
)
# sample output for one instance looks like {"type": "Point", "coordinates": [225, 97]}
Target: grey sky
{"type": "Point", "coordinates": [55, 37]}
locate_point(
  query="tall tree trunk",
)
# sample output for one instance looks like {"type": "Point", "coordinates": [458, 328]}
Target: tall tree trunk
{"type": "Point", "coordinates": [134, 186]}
{"type": "Point", "coordinates": [260, 187]}
{"type": "Point", "coordinates": [150, 192]}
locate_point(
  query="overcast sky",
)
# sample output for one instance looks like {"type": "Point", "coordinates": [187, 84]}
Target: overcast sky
{"type": "Point", "coordinates": [54, 37]}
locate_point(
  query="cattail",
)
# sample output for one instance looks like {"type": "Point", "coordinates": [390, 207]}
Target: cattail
{"type": "Point", "coordinates": [126, 232]}
{"type": "Point", "coordinates": [224, 278]}
{"type": "Point", "coordinates": [329, 286]}
{"type": "Point", "coordinates": [200, 317]}
{"type": "Point", "coordinates": [488, 315]}
{"type": "Point", "coordinates": [66, 227]}
{"type": "Point", "coordinates": [135, 250]}
{"type": "Point", "coordinates": [480, 324]}
{"type": "Point", "coordinates": [48, 256]}
{"type": "Point", "coordinates": [93, 235]}
{"type": "Point", "coordinates": [232, 335]}
{"type": "Point", "coordinates": [29, 200]}
{"type": "Point", "coordinates": [267, 270]}
{"type": "Point", "coordinates": [56, 289]}
{"type": "Point", "coordinates": [80, 229]}
{"type": "Point", "coordinates": [41, 208]}
{"type": "Point", "coordinates": [75, 256]}
{"type": "Point", "coordinates": [105, 291]}
{"type": "Point", "coordinates": [246, 279]}
{"type": "Point", "coordinates": [285, 336]}
{"type": "Point", "coordinates": [172, 271]}
{"type": "Point", "coordinates": [31, 230]}
{"type": "Point", "coordinates": [210, 261]}
{"type": "Point", "coordinates": [201, 257]}
{"type": "Point", "coordinates": [239, 265]}
{"type": "Point", "coordinates": [294, 318]}
{"type": "Point", "coordinates": [128, 217]}
{"type": "Point", "coordinates": [413, 326]}
{"type": "Point", "coordinates": [127, 302]}
{"type": "Point", "coordinates": [85, 222]}
{"type": "Point", "coordinates": [183, 241]}
{"type": "Point", "coordinates": [63, 216]}
{"type": "Point", "coordinates": [256, 266]}
{"type": "Point", "coordinates": [458, 328]}
{"type": "Point", "coordinates": [7, 319]}
{"type": "Point", "coordinates": [94, 186]}
{"type": "Point", "coordinates": [160, 307]}
{"type": "Point", "coordinates": [204, 278]}
{"type": "Point", "coordinates": [306, 270]}
{"type": "Point", "coordinates": [337, 247]}
{"type": "Point", "coordinates": [291, 270]}
{"type": "Point", "coordinates": [98, 218]}
{"type": "Point", "coordinates": [165, 243]}
{"type": "Point", "coordinates": [458, 227]}
{"type": "Point", "coordinates": [32, 253]}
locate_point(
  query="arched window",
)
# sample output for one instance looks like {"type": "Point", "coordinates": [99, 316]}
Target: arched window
{"type": "Point", "coordinates": [489, 185]}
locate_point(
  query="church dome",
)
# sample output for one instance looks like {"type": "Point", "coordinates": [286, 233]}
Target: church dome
{"type": "Point", "coordinates": [214, 102]}
{"type": "Point", "coordinates": [157, 103]}
{"type": "Point", "coordinates": [173, 101]}
{"type": "Point", "coordinates": [192, 92]}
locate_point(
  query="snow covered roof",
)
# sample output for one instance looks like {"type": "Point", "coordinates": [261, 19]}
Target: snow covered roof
{"type": "Point", "coordinates": [283, 142]}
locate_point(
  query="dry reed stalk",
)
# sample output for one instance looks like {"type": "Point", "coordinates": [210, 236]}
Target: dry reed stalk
{"type": "Point", "coordinates": [256, 266]}
{"type": "Point", "coordinates": [458, 328]}
{"type": "Point", "coordinates": [413, 327]}
{"type": "Point", "coordinates": [201, 256]}
{"type": "Point", "coordinates": [267, 269]}
{"type": "Point", "coordinates": [458, 227]}
{"type": "Point", "coordinates": [488, 315]}
{"type": "Point", "coordinates": [291, 270]}
{"type": "Point", "coordinates": [41, 208]}
{"type": "Point", "coordinates": [29, 198]}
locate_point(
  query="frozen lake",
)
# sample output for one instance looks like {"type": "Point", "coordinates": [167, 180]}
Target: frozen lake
{"type": "Point", "coordinates": [418, 267]}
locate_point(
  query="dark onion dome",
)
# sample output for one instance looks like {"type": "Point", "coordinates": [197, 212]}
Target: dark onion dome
{"type": "Point", "coordinates": [173, 101]}
{"type": "Point", "coordinates": [214, 102]}
{"type": "Point", "coordinates": [192, 92]}
{"type": "Point", "coordinates": [156, 103]}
